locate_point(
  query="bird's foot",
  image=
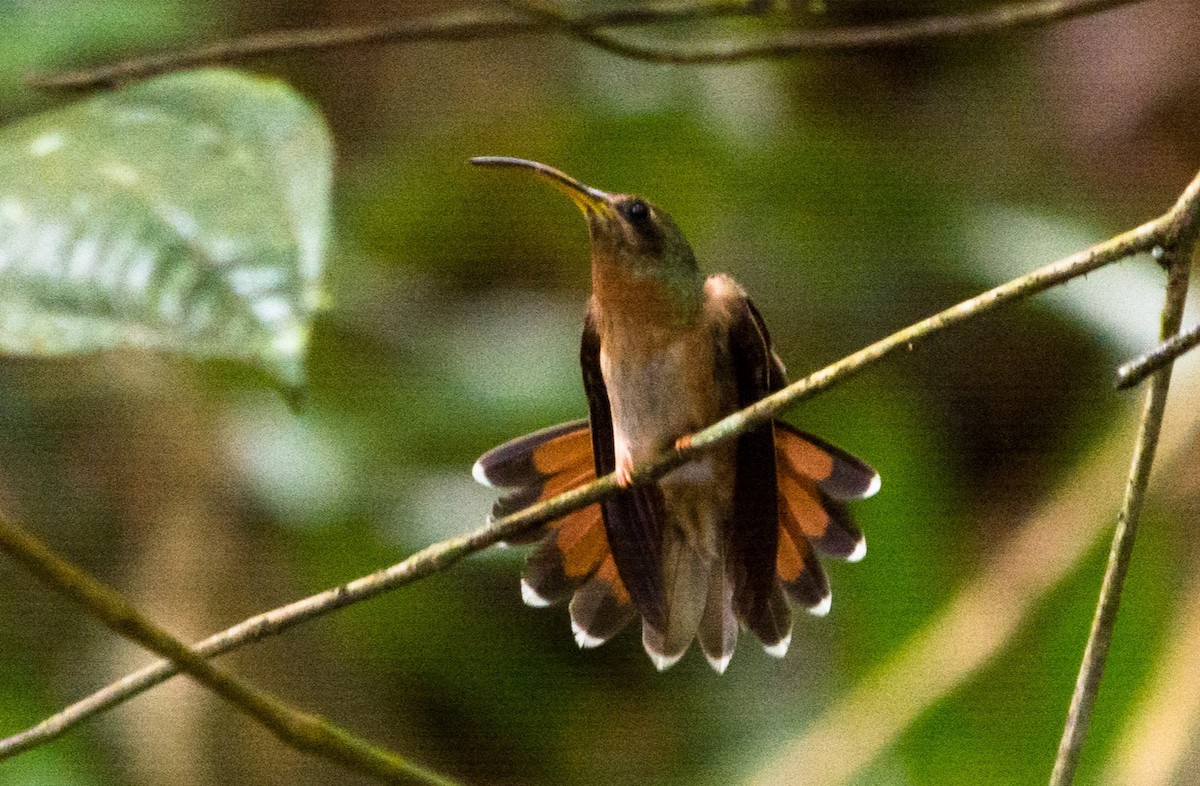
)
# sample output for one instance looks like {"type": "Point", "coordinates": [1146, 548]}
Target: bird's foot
{"type": "Point", "coordinates": [624, 468]}
{"type": "Point", "coordinates": [625, 472]}
{"type": "Point", "coordinates": [683, 443]}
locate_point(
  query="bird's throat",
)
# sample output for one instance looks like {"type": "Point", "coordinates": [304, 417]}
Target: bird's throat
{"type": "Point", "coordinates": [651, 298]}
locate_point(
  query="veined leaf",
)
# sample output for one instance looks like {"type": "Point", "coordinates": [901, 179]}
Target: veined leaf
{"type": "Point", "coordinates": [188, 213]}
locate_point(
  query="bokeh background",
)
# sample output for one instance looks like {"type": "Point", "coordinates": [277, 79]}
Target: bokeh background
{"type": "Point", "coordinates": [851, 195]}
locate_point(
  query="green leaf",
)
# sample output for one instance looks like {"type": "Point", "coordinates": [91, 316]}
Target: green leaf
{"type": "Point", "coordinates": [188, 213]}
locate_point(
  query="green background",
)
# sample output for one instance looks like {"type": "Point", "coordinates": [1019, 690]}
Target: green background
{"type": "Point", "coordinates": [851, 195]}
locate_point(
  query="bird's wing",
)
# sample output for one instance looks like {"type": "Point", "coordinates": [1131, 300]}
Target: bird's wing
{"type": "Point", "coordinates": [754, 529]}
{"type": "Point", "coordinates": [802, 479]}
{"type": "Point", "coordinates": [633, 519]}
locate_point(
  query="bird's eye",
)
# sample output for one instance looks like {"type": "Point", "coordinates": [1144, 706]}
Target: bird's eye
{"type": "Point", "coordinates": [637, 211]}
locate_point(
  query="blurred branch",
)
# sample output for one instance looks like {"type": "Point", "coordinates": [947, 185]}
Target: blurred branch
{"type": "Point", "coordinates": [460, 25]}
{"type": "Point", "coordinates": [298, 729]}
{"type": "Point", "coordinates": [530, 17]}
{"type": "Point", "coordinates": [440, 556]}
{"type": "Point", "coordinates": [850, 38]}
{"type": "Point", "coordinates": [1178, 258]}
{"type": "Point", "coordinates": [1160, 733]}
{"type": "Point", "coordinates": [1133, 372]}
{"type": "Point", "coordinates": [963, 637]}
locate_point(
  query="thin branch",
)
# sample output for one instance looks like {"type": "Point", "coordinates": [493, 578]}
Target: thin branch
{"type": "Point", "coordinates": [853, 38]}
{"type": "Point", "coordinates": [536, 18]}
{"type": "Point", "coordinates": [1133, 372]}
{"type": "Point", "coordinates": [442, 555]}
{"type": "Point", "coordinates": [298, 729]}
{"type": "Point", "coordinates": [973, 628]}
{"type": "Point", "coordinates": [1178, 256]}
{"type": "Point", "coordinates": [461, 25]}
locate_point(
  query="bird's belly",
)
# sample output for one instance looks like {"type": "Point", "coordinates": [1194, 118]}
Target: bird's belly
{"type": "Point", "coordinates": [664, 395]}
{"type": "Point", "coordinates": [661, 397]}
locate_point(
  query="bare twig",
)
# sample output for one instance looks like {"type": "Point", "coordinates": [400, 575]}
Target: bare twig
{"type": "Point", "coordinates": [459, 25]}
{"type": "Point", "coordinates": [1178, 257]}
{"type": "Point", "coordinates": [855, 38]}
{"type": "Point", "coordinates": [442, 555]}
{"type": "Point", "coordinates": [536, 18]}
{"type": "Point", "coordinates": [973, 627]}
{"type": "Point", "coordinates": [298, 729]}
{"type": "Point", "coordinates": [1133, 372]}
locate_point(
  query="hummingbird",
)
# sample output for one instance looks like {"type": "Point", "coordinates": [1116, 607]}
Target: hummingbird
{"type": "Point", "coordinates": [718, 544]}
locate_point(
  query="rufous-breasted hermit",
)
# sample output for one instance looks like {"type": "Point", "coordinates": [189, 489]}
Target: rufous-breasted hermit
{"type": "Point", "coordinates": [720, 542]}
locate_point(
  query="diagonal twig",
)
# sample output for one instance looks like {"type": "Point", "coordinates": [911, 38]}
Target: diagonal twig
{"type": "Point", "coordinates": [442, 555]}
{"type": "Point", "coordinates": [303, 731]}
{"type": "Point", "coordinates": [1133, 372]}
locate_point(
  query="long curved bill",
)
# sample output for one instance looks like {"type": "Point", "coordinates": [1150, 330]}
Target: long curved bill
{"type": "Point", "coordinates": [589, 200]}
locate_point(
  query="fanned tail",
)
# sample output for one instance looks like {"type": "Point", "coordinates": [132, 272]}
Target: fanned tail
{"type": "Point", "coordinates": [572, 559]}
{"type": "Point", "coordinates": [815, 478]}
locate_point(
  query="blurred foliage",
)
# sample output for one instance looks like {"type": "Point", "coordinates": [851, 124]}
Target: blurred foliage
{"type": "Point", "coordinates": [850, 195]}
{"type": "Point", "coordinates": [106, 243]}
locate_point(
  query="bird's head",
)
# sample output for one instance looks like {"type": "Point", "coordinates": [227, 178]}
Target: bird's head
{"type": "Point", "coordinates": [631, 238]}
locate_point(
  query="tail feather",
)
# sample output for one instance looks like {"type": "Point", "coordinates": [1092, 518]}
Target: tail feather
{"type": "Point", "coordinates": [841, 475]}
{"type": "Point", "coordinates": [567, 556]}
{"type": "Point", "coordinates": [527, 460]}
{"type": "Point", "coordinates": [812, 510]}
{"type": "Point", "coordinates": [799, 571]}
{"type": "Point", "coordinates": [718, 631]}
{"type": "Point", "coordinates": [602, 607]}
{"type": "Point", "coordinates": [843, 538]}
{"type": "Point", "coordinates": [537, 466]}
{"type": "Point", "coordinates": [778, 636]}
{"type": "Point", "coordinates": [686, 584]}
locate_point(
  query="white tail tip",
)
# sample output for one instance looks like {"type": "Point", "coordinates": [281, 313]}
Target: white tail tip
{"type": "Point", "coordinates": [860, 551]}
{"type": "Point", "coordinates": [531, 596]}
{"type": "Point", "coordinates": [873, 488]}
{"type": "Point", "coordinates": [822, 608]}
{"type": "Point", "coordinates": [779, 649]}
{"type": "Point", "coordinates": [664, 662]}
{"type": "Point", "coordinates": [720, 664]}
{"type": "Point", "coordinates": [585, 640]}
